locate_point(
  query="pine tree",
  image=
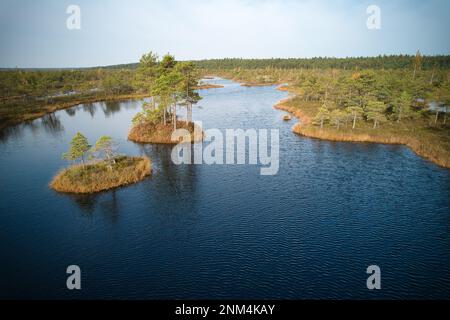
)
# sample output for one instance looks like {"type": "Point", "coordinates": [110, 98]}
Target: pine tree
{"type": "Point", "coordinates": [187, 86]}
{"type": "Point", "coordinates": [106, 145]}
{"type": "Point", "coordinates": [356, 113]}
{"type": "Point", "coordinates": [402, 107]}
{"type": "Point", "coordinates": [337, 116]}
{"type": "Point", "coordinates": [375, 112]}
{"type": "Point", "coordinates": [322, 116]}
{"type": "Point", "coordinates": [79, 146]}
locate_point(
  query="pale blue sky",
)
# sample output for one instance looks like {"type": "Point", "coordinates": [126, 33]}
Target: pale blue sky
{"type": "Point", "coordinates": [33, 33]}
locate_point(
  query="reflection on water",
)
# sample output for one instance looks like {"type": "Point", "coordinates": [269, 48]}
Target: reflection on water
{"type": "Point", "coordinates": [90, 108]}
{"type": "Point", "coordinates": [86, 202]}
{"type": "Point", "coordinates": [111, 107]}
{"type": "Point", "coordinates": [71, 111]}
{"type": "Point", "coordinates": [104, 202]}
{"type": "Point", "coordinates": [11, 132]}
{"type": "Point", "coordinates": [51, 122]}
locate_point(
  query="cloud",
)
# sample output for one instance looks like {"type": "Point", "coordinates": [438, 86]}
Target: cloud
{"type": "Point", "coordinates": [119, 32]}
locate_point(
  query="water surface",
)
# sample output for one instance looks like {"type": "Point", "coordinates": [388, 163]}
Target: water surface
{"type": "Point", "coordinates": [225, 231]}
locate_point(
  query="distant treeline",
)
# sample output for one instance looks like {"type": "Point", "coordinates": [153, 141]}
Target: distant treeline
{"type": "Point", "coordinates": [380, 62]}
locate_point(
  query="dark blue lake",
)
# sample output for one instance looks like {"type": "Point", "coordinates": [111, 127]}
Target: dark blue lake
{"type": "Point", "coordinates": [223, 231]}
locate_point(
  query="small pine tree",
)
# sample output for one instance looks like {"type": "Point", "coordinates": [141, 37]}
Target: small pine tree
{"type": "Point", "coordinates": [322, 116]}
{"type": "Point", "coordinates": [337, 117]}
{"type": "Point", "coordinates": [402, 107]}
{"type": "Point", "coordinates": [79, 146]}
{"type": "Point", "coordinates": [356, 113]}
{"type": "Point", "coordinates": [375, 112]}
{"type": "Point", "coordinates": [106, 145]}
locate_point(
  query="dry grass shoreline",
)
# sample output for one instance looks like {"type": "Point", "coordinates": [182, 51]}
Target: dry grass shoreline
{"type": "Point", "coordinates": [419, 143]}
{"type": "Point", "coordinates": [96, 177]}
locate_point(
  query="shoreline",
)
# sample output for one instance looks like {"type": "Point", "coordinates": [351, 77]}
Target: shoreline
{"type": "Point", "coordinates": [303, 128]}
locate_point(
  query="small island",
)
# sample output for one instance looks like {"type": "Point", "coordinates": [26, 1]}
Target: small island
{"type": "Point", "coordinates": [171, 85]}
{"type": "Point", "coordinates": [99, 174]}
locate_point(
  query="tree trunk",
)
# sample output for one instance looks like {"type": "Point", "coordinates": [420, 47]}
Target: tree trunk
{"type": "Point", "coordinates": [174, 117]}
{"type": "Point", "coordinates": [354, 121]}
{"type": "Point", "coordinates": [437, 115]}
{"type": "Point", "coordinates": [188, 113]}
{"type": "Point", "coordinates": [110, 159]}
{"type": "Point", "coordinates": [164, 116]}
{"type": "Point", "coordinates": [321, 124]}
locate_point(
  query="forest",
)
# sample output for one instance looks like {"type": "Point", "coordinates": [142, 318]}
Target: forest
{"type": "Point", "coordinates": [380, 62]}
{"type": "Point", "coordinates": [375, 89]}
{"type": "Point", "coordinates": [169, 84]}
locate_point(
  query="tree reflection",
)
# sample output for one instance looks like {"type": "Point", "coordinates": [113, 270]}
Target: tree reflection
{"type": "Point", "coordinates": [51, 124]}
{"type": "Point", "coordinates": [110, 107]}
{"type": "Point", "coordinates": [89, 108]}
{"type": "Point", "coordinates": [86, 202]}
{"type": "Point", "coordinates": [176, 183]}
{"type": "Point", "coordinates": [110, 206]}
{"type": "Point", "coordinates": [11, 132]}
{"type": "Point", "coordinates": [71, 111]}
{"type": "Point", "coordinates": [105, 202]}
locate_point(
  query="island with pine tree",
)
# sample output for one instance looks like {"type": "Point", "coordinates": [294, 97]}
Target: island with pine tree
{"type": "Point", "coordinates": [100, 168]}
{"type": "Point", "coordinates": [169, 84]}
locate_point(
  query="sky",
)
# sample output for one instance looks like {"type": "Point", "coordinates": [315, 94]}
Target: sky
{"type": "Point", "coordinates": [34, 33]}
